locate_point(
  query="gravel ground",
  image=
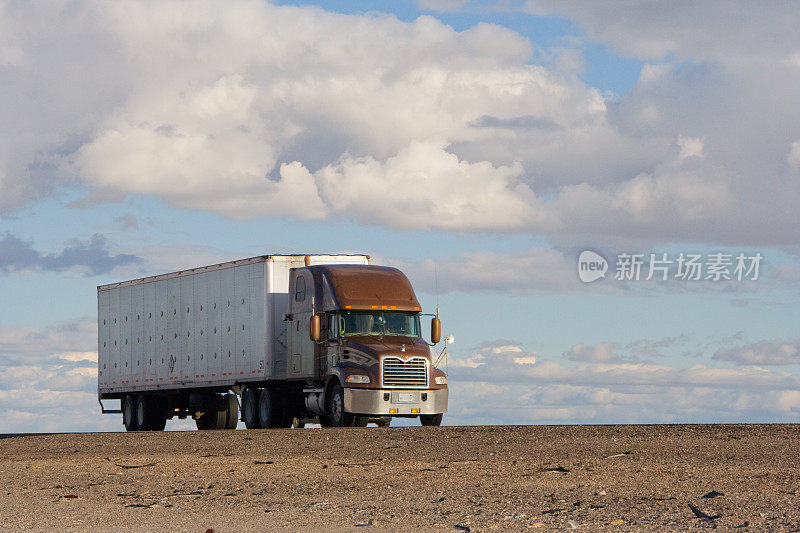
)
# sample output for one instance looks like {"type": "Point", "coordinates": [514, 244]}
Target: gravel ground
{"type": "Point", "coordinates": [620, 478]}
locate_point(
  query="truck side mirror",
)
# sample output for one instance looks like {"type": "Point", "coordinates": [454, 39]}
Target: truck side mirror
{"type": "Point", "coordinates": [436, 330]}
{"type": "Point", "coordinates": [314, 328]}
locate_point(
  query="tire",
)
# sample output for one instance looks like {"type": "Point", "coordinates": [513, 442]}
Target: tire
{"type": "Point", "coordinates": [250, 418]}
{"type": "Point", "coordinates": [203, 423]}
{"type": "Point", "coordinates": [360, 421]}
{"type": "Point", "coordinates": [284, 399]}
{"type": "Point", "coordinates": [339, 417]}
{"type": "Point", "coordinates": [431, 420]}
{"type": "Point", "coordinates": [215, 419]}
{"type": "Point", "coordinates": [160, 405]}
{"type": "Point", "coordinates": [232, 414]}
{"type": "Point", "coordinates": [384, 423]}
{"type": "Point", "coordinates": [144, 413]}
{"type": "Point", "coordinates": [212, 420]}
{"type": "Point", "coordinates": [325, 421]}
{"type": "Point", "coordinates": [268, 415]}
{"type": "Point", "coordinates": [129, 413]}
{"type": "Point", "coordinates": [273, 408]}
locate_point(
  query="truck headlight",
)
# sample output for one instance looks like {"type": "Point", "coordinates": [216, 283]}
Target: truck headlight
{"type": "Point", "coordinates": [357, 378]}
{"type": "Point", "coordinates": [440, 380]}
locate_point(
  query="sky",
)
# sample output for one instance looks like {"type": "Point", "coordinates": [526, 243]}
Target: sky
{"type": "Point", "coordinates": [481, 147]}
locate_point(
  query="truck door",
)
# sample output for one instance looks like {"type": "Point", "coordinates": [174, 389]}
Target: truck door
{"type": "Point", "coordinates": [301, 347]}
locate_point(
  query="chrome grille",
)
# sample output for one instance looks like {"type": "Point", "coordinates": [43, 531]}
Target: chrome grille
{"type": "Point", "coordinates": [411, 373]}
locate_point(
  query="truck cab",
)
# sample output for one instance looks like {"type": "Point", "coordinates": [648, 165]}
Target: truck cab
{"type": "Point", "coordinates": [355, 341]}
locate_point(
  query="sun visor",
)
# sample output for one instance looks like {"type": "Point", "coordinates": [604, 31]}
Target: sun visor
{"type": "Point", "coordinates": [361, 287]}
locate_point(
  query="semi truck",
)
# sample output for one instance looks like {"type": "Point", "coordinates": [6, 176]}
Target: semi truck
{"type": "Point", "coordinates": [280, 339]}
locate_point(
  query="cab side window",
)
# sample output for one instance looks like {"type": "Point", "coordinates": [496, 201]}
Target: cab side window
{"type": "Point", "coordinates": [300, 289]}
{"type": "Point", "coordinates": [332, 322]}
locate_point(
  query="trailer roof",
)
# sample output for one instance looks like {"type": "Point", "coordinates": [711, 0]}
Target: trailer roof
{"type": "Point", "coordinates": [220, 266]}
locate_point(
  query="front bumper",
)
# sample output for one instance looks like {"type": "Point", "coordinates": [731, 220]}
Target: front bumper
{"type": "Point", "coordinates": [406, 402]}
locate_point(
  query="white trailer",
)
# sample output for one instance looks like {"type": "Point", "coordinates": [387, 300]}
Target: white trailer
{"type": "Point", "coordinates": [211, 326]}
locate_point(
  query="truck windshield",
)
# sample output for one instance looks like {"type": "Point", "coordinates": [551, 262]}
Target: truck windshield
{"type": "Point", "coordinates": [378, 323]}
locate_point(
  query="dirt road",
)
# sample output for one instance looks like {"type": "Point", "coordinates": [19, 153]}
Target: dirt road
{"type": "Point", "coordinates": [616, 478]}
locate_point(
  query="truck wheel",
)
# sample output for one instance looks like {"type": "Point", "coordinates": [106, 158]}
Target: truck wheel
{"type": "Point", "coordinates": [360, 421]}
{"type": "Point", "coordinates": [431, 420]}
{"type": "Point", "coordinates": [144, 413]}
{"type": "Point", "coordinates": [268, 410]}
{"type": "Point", "coordinates": [232, 414]}
{"type": "Point", "coordinates": [324, 421]}
{"type": "Point", "coordinates": [284, 398]}
{"type": "Point", "coordinates": [250, 409]}
{"type": "Point", "coordinates": [212, 420]}
{"type": "Point", "coordinates": [339, 417]}
{"type": "Point", "coordinates": [159, 406]}
{"type": "Point", "coordinates": [129, 413]}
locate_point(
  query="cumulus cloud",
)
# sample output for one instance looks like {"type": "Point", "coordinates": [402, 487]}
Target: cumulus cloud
{"type": "Point", "coordinates": [424, 186]}
{"type": "Point", "coordinates": [735, 31]}
{"type": "Point", "coordinates": [690, 147]}
{"type": "Point", "coordinates": [71, 340]}
{"type": "Point", "coordinates": [265, 110]}
{"type": "Point", "coordinates": [602, 352]}
{"type": "Point", "coordinates": [794, 154]}
{"type": "Point", "coordinates": [495, 353]}
{"type": "Point", "coordinates": [48, 378]}
{"type": "Point", "coordinates": [639, 351]}
{"type": "Point", "coordinates": [539, 269]}
{"type": "Point", "coordinates": [602, 389]}
{"type": "Point", "coordinates": [91, 255]}
{"type": "Point", "coordinates": [766, 352]}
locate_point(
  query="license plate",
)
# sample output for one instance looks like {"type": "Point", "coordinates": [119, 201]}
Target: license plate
{"type": "Point", "coordinates": [405, 397]}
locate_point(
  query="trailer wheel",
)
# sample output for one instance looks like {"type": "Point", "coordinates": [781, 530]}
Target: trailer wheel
{"type": "Point", "coordinates": [325, 421]}
{"type": "Point", "coordinates": [339, 417]}
{"type": "Point", "coordinates": [268, 415]}
{"type": "Point", "coordinates": [212, 420]}
{"type": "Point", "coordinates": [250, 417]}
{"type": "Point", "coordinates": [129, 413]}
{"type": "Point", "coordinates": [284, 401]}
{"type": "Point", "coordinates": [159, 406]}
{"type": "Point", "coordinates": [232, 414]}
{"type": "Point", "coordinates": [431, 420]}
{"type": "Point", "coordinates": [144, 413]}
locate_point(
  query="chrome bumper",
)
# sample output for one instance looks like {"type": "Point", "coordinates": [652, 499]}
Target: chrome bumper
{"type": "Point", "coordinates": [406, 402]}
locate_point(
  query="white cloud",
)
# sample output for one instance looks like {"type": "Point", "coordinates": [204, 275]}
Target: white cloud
{"type": "Point", "coordinates": [424, 186]}
{"type": "Point", "coordinates": [538, 269]}
{"type": "Point", "coordinates": [494, 353]}
{"type": "Point", "coordinates": [77, 356]}
{"type": "Point", "coordinates": [735, 31]}
{"type": "Point", "coordinates": [28, 344]}
{"type": "Point", "coordinates": [766, 352]}
{"type": "Point", "coordinates": [599, 391]}
{"type": "Point", "coordinates": [263, 110]}
{"type": "Point", "coordinates": [690, 147]}
{"type": "Point", "coordinates": [794, 154]}
{"type": "Point", "coordinates": [602, 352]}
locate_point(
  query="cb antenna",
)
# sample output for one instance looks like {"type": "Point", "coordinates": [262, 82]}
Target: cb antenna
{"type": "Point", "coordinates": [436, 287]}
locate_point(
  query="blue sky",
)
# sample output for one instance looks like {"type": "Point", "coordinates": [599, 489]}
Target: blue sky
{"type": "Point", "coordinates": [488, 145]}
